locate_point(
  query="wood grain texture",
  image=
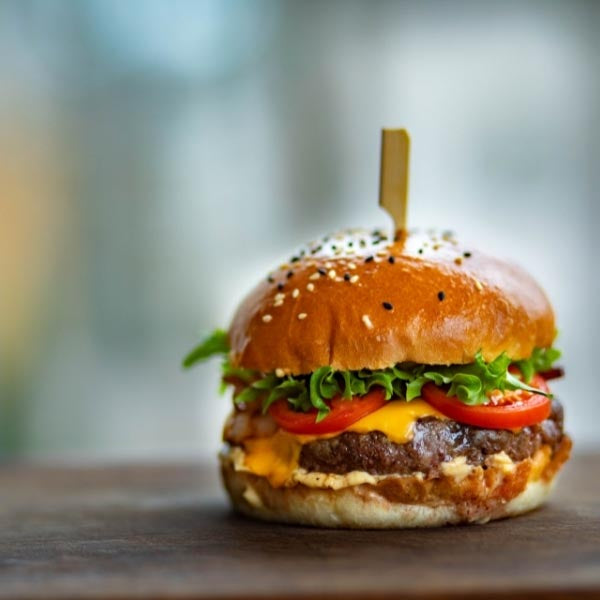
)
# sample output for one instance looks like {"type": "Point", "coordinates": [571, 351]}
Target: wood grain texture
{"type": "Point", "coordinates": [166, 532]}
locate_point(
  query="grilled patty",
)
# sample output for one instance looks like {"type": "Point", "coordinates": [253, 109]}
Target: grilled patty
{"type": "Point", "coordinates": [435, 441]}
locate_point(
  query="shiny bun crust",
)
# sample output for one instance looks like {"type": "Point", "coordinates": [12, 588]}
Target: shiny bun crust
{"type": "Point", "coordinates": [358, 300]}
{"type": "Point", "coordinates": [402, 502]}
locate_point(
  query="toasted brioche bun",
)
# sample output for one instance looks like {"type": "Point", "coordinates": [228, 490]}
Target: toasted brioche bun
{"type": "Point", "coordinates": [402, 501]}
{"type": "Point", "coordinates": [444, 303]}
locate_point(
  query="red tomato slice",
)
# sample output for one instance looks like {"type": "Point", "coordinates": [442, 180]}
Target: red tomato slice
{"type": "Point", "coordinates": [516, 408]}
{"type": "Point", "coordinates": [343, 413]}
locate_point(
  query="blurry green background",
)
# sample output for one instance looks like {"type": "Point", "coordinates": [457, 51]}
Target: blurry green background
{"type": "Point", "coordinates": [157, 157]}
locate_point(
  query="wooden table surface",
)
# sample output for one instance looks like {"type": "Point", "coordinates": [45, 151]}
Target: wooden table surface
{"type": "Point", "coordinates": [158, 531]}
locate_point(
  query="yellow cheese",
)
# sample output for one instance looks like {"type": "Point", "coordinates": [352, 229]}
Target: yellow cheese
{"type": "Point", "coordinates": [276, 457]}
{"type": "Point", "coordinates": [396, 419]}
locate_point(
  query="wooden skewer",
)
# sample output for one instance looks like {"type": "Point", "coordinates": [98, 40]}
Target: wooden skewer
{"type": "Point", "coordinates": [393, 179]}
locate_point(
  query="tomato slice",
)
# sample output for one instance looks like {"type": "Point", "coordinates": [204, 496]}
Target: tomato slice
{"type": "Point", "coordinates": [343, 413]}
{"type": "Point", "coordinates": [515, 408]}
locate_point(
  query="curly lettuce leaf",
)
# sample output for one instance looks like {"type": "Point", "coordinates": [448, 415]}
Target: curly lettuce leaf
{"type": "Point", "coordinates": [216, 343]}
{"type": "Point", "coordinates": [470, 383]}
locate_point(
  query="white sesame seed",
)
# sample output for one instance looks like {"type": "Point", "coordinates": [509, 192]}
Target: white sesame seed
{"type": "Point", "coordinates": [331, 274]}
{"type": "Point", "coordinates": [310, 287]}
{"type": "Point", "coordinates": [351, 266]}
{"type": "Point", "coordinates": [302, 316]}
{"type": "Point", "coordinates": [295, 293]}
{"type": "Point", "coordinates": [478, 284]}
{"type": "Point", "coordinates": [328, 265]}
{"type": "Point", "coordinates": [279, 372]}
{"type": "Point", "coordinates": [267, 318]}
{"type": "Point", "coordinates": [278, 303]}
{"type": "Point", "coordinates": [382, 253]}
{"type": "Point", "coordinates": [354, 279]}
{"type": "Point", "coordinates": [338, 251]}
{"type": "Point", "coordinates": [315, 276]}
{"type": "Point", "coordinates": [279, 296]}
{"type": "Point", "coordinates": [367, 321]}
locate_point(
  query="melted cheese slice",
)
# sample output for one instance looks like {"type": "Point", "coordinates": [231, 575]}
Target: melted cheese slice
{"type": "Point", "coordinates": [276, 457]}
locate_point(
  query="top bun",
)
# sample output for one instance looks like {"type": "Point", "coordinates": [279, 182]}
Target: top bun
{"type": "Point", "coordinates": [357, 300]}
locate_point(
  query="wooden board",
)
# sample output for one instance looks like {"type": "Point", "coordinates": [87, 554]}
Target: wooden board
{"type": "Point", "coordinates": [166, 531]}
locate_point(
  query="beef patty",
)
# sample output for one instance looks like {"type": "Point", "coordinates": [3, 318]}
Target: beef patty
{"type": "Point", "coordinates": [435, 441]}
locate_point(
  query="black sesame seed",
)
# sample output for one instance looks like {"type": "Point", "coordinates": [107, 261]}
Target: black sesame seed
{"type": "Point", "coordinates": [334, 247]}
{"type": "Point", "coordinates": [375, 242]}
{"type": "Point", "coordinates": [346, 276]}
{"type": "Point", "coordinates": [270, 279]}
{"type": "Point", "coordinates": [484, 467]}
{"type": "Point", "coordinates": [317, 249]}
{"type": "Point", "coordinates": [376, 233]}
{"type": "Point", "coordinates": [322, 271]}
{"type": "Point", "coordinates": [362, 243]}
{"type": "Point", "coordinates": [388, 306]}
{"type": "Point", "coordinates": [289, 274]}
{"type": "Point", "coordinates": [280, 286]}
{"type": "Point", "coordinates": [441, 296]}
{"type": "Point", "coordinates": [350, 244]}
{"type": "Point", "coordinates": [369, 259]}
{"type": "Point", "coordinates": [302, 252]}
{"type": "Point", "coordinates": [420, 250]}
{"type": "Point", "coordinates": [467, 254]}
{"type": "Point", "coordinates": [294, 259]}
{"type": "Point", "coordinates": [391, 260]}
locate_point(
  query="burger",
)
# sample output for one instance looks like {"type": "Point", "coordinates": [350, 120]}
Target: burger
{"type": "Point", "coordinates": [383, 382]}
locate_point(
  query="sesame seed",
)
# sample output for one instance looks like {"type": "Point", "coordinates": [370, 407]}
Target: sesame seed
{"type": "Point", "coordinates": [295, 293]}
{"type": "Point", "coordinates": [458, 260]}
{"type": "Point", "coordinates": [420, 250]}
{"type": "Point", "coordinates": [478, 285]}
{"type": "Point", "coordinates": [294, 259]}
{"type": "Point", "coordinates": [270, 279]}
{"type": "Point", "coordinates": [279, 296]}
{"type": "Point", "coordinates": [317, 249]}
{"type": "Point", "coordinates": [310, 287]}
{"type": "Point", "coordinates": [441, 296]}
{"type": "Point", "coordinates": [331, 274]}
{"type": "Point", "coordinates": [267, 318]}
{"type": "Point", "coordinates": [346, 276]}
{"type": "Point", "coordinates": [279, 373]}
{"type": "Point", "coordinates": [351, 266]}
{"type": "Point", "coordinates": [369, 259]}
{"type": "Point", "coordinates": [388, 305]}
{"type": "Point", "coordinates": [367, 321]}
{"type": "Point", "coordinates": [382, 253]}
{"type": "Point", "coordinates": [302, 316]}
{"type": "Point", "coordinates": [362, 243]}
{"type": "Point", "coordinates": [280, 286]}
{"type": "Point", "coordinates": [315, 276]}
{"type": "Point", "coordinates": [329, 265]}
{"type": "Point", "coordinates": [467, 254]}
{"type": "Point", "coordinates": [289, 274]}
{"type": "Point", "coordinates": [334, 247]}
{"type": "Point", "coordinates": [338, 251]}
{"type": "Point", "coordinates": [436, 246]}
{"type": "Point", "coordinates": [277, 303]}
{"type": "Point", "coordinates": [354, 279]}
{"type": "Point", "coordinates": [391, 260]}
{"type": "Point", "coordinates": [322, 271]}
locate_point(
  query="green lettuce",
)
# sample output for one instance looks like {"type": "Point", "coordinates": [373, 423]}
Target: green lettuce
{"type": "Point", "coordinates": [469, 383]}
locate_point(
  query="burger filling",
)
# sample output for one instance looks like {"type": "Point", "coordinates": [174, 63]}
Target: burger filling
{"type": "Point", "coordinates": [402, 420]}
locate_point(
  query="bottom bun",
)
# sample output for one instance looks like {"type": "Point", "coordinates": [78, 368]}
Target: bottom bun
{"type": "Point", "coordinates": [477, 495]}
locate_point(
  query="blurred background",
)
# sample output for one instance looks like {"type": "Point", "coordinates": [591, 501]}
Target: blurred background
{"type": "Point", "coordinates": [158, 157]}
